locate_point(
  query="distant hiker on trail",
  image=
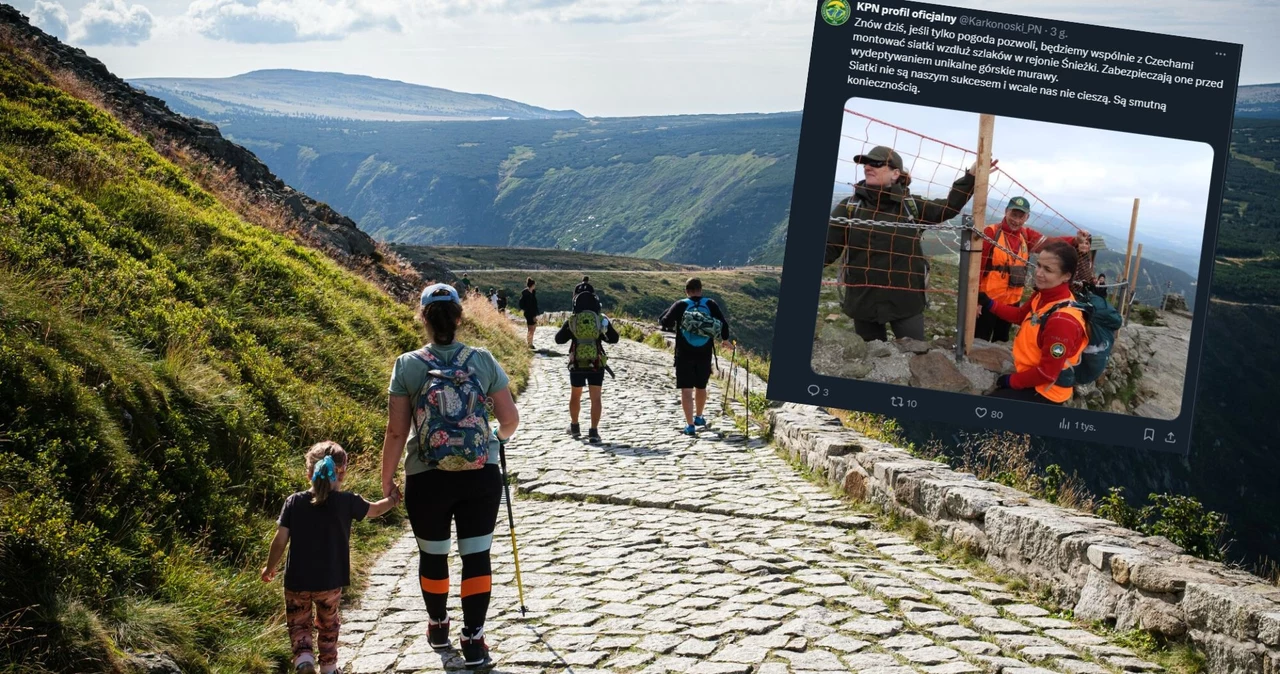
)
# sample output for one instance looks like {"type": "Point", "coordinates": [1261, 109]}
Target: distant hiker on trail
{"type": "Point", "coordinates": [697, 321]}
{"type": "Point", "coordinates": [444, 398]}
{"type": "Point", "coordinates": [493, 298]}
{"type": "Point", "coordinates": [587, 330]}
{"type": "Point", "coordinates": [464, 284]}
{"type": "Point", "coordinates": [316, 526]}
{"type": "Point", "coordinates": [502, 299]}
{"type": "Point", "coordinates": [883, 269]}
{"type": "Point", "coordinates": [584, 287]}
{"type": "Point", "coordinates": [1052, 335]}
{"type": "Point", "coordinates": [529, 305]}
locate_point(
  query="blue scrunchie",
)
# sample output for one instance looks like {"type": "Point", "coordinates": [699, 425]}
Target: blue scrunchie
{"type": "Point", "coordinates": [326, 469]}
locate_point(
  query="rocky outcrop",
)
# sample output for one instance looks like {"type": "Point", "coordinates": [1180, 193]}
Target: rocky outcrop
{"type": "Point", "coordinates": [317, 223]}
{"type": "Point", "coordinates": [1088, 564]}
{"type": "Point", "coordinates": [1144, 377]}
{"type": "Point", "coordinates": [1147, 371]}
{"type": "Point", "coordinates": [838, 352]}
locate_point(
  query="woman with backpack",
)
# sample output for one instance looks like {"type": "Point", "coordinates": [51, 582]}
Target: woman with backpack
{"type": "Point", "coordinates": [529, 306]}
{"type": "Point", "coordinates": [444, 398]}
{"type": "Point", "coordinates": [883, 269]}
{"type": "Point", "coordinates": [1052, 333]}
{"type": "Point", "coordinates": [588, 329]}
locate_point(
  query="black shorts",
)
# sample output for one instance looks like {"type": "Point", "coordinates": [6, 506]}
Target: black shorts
{"type": "Point", "coordinates": [693, 372]}
{"type": "Point", "coordinates": [530, 320]}
{"type": "Point", "coordinates": [580, 379]}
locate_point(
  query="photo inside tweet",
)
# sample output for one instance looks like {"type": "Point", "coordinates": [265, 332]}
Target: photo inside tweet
{"type": "Point", "coordinates": [1004, 222]}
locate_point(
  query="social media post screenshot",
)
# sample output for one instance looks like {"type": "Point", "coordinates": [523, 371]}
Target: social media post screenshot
{"type": "Point", "coordinates": [1004, 222]}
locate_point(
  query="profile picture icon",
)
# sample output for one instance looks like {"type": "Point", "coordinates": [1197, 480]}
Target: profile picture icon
{"type": "Point", "coordinates": [836, 12]}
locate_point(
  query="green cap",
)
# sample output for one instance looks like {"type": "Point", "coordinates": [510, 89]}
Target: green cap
{"type": "Point", "coordinates": [1019, 204]}
{"type": "Point", "coordinates": [881, 153]}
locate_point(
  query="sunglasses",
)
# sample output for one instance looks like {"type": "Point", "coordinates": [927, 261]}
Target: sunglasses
{"type": "Point", "coordinates": [874, 164]}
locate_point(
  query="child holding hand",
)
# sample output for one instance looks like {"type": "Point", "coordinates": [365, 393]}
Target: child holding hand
{"type": "Point", "coordinates": [316, 525]}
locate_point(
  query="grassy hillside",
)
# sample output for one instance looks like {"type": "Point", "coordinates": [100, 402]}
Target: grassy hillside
{"type": "Point", "coordinates": [709, 190]}
{"type": "Point", "coordinates": [1154, 278]}
{"type": "Point", "coordinates": [164, 365]}
{"type": "Point", "coordinates": [485, 257]}
{"type": "Point", "coordinates": [1248, 251]}
{"type": "Point", "coordinates": [335, 95]}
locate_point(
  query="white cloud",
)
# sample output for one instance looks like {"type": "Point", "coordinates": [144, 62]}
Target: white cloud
{"type": "Point", "coordinates": [282, 21]}
{"type": "Point", "coordinates": [51, 17]}
{"type": "Point", "coordinates": [112, 22]}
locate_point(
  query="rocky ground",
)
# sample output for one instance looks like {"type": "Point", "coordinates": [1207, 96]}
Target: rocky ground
{"type": "Point", "coordinates": [655, 552]}
{"type": "Point", "coordinates": [1144, 377]}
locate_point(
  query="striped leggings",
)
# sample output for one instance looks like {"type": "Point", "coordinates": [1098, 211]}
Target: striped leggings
{"type": "Point", "coordinates": [435, 499]}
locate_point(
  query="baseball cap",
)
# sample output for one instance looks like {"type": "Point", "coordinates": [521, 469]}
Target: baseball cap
{"type": "Point", "coordinates": [1019, 204]}
{"type": "Point", "coordinates": [881, 153]}
{"type": "Point", "coordinates": [429, 296]}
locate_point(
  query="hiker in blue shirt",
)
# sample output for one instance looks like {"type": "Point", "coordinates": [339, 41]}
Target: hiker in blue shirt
{"type": "Point", "coordinates": [699, 321]}
{"type": "Point", "coordinates": [587, 330]}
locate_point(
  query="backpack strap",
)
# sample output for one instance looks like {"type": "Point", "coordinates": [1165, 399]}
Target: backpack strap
{"type": "Point", "coordinates": [1087, 310]}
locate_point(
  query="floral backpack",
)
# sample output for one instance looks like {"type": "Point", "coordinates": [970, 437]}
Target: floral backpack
{"type": "Point", "coordinates": [451, 414]}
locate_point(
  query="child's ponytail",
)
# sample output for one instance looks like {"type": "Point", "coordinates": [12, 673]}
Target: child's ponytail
{"type": "Point", "coordinates": [323, 461]}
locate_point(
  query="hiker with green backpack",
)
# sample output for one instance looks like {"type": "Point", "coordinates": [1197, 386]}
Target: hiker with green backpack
{"type": "Point", "coordinates": [697, 321]}
{"type": "Point", "coordinates": [586, 330]}
{"type": "Point", "coordinates": [883, 269]}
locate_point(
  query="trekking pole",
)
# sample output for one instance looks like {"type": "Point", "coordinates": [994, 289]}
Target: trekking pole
{"type": "Point", "coordinates": [511, 519]}
{"type": "Point", "coordinates": [728, 385]}
{"type": "Point", "coordinates": [747, 403]}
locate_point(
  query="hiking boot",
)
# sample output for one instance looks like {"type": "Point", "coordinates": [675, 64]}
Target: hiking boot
{"type": "Point", "coordinates": [699, 421]}
{"type": "Point", "coordinates": [593, 437]}
{"type": "Point", "coordinates": [475, 653]}
{"type": "Point", "coordinates": [690, 430]}
{"type": "Point", "coordinates": [575, 430]}
{"type": "Point", "coordinates": [438, 634]}
{"type": "Point", "coordinates": [306, 668]}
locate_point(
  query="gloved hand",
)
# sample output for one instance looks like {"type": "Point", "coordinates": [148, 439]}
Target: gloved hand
{"type": "Point", "coordinates": [984, 301]}
{"type": "Point", "coordinates": [1003, 381]}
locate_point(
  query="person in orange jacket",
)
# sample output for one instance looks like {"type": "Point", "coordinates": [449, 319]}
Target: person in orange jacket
{"type": "Point", "coordinates": [1003, 275]}
{"type": "Point", "coordinates": [1052, 335]}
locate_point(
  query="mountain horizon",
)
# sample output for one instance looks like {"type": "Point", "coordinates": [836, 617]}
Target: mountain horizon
{"type": "Point", "coordinates": [305, 93]}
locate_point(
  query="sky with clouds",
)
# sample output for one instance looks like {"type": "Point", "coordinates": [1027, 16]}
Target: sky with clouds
{"type": "Point", "coordinates": [639, 57]}
{"type": "Point", "coordinates": [1089, 176]}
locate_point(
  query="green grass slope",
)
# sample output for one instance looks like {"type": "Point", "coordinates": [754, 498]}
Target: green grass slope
{"type": "Point", "coordinates": [163, 365]}
{"type": "Point", "coordinates": [457, 258]}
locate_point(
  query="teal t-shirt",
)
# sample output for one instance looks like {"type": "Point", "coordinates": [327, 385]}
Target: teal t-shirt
{"type": "Point", "coordinates": [410, 373]}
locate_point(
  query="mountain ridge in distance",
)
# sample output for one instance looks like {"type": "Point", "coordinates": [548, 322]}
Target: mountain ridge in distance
{"type": "Point", "coordinates": [290, 92]}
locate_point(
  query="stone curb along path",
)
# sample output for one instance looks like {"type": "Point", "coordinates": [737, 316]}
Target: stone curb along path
{"type": "Point", "coordinates": [656, 552]}
{"type": "Point", "coordinates": [1099, 570]}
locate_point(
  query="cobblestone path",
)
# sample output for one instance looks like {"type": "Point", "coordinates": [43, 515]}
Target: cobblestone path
{"type": "Point", "coordinates": [656, 552]}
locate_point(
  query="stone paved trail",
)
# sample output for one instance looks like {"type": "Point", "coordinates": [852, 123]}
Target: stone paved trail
{"type": "Point", "coordinates": [656, 552]}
